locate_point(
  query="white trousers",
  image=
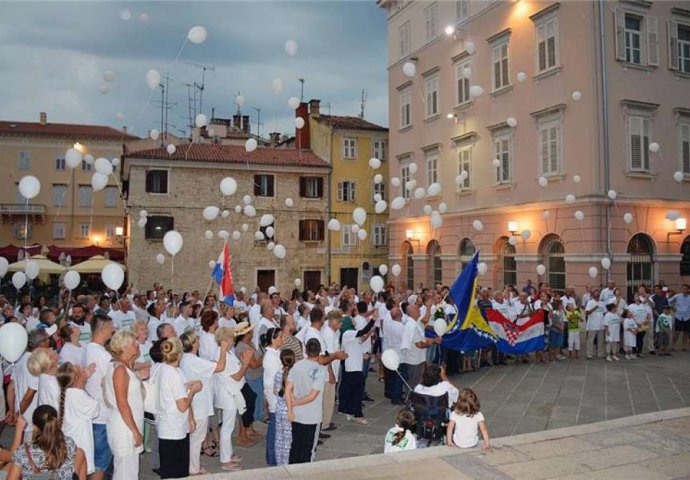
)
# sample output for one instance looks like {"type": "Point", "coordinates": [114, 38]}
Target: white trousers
{"type": "Point", "coordinates": [195, 440]}
{"type": "Point", "coordinates": [126, 468]}
{"type": "Point", "coordinates": [229, 418]}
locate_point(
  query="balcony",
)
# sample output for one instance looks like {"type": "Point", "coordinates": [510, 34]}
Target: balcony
{"type": "Point", "coordinates": [9, 212]}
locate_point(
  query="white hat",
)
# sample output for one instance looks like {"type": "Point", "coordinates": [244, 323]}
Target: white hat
{"type": "Point", "coordinates": [51, 330]}
{"type": "Point", "coordinates": [272, 290]}
{"type": "Point", "coordinates": [412, 299]}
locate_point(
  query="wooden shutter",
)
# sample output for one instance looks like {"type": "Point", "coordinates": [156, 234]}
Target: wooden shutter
{"type": "Point", "coordinates": [672, 27]}
{"type": "Point", "coordinates": [257, 185]}
{"type": "Point", "coordinates": [320, 229]}
{"type": "Point", "coordinates": [542, 55]}
{"type": "Point", "coordinates": [302, 228]}
{"type": "Point", "coordinates": [685, 148]}
{"type": "Point", "coordinates": [340, 191]}
{"type": "Point", "coordinates": [271, 185]}
{"type": "Point", "coordinates": [163, 181]}
{"type": "Point", "coordinates": [302, 186]}
{"type": "Point", "coordinates": [619, 19]}
{"type": "Point", "coordinates": [635, 132]}
{"type": "Point", "coordinates": [652, 40]}
{"type": "Point", "coordinates": [544, 149]}
{"type": "Point", "coordinates": [319, 187]}
{"type": "Point", "coordinates": [149, 181]}
{"type": "Point", "coordinates": [555, 147]}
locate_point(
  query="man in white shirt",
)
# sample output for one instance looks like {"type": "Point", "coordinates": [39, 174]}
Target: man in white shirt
{"type": "Point", "coordinates": [643, 318]}
{"type": "Point", "coordinates": [184, 321]}
{"type": "Point", "coordinates": [266, 322]}
{"type": "Point", "coordinates": [331, 336]}
{"type": "Point", "coordinates": [302, 317]}
{"type": "Point", "coordinates": [608, 293]}
{"type": "Point", "coordinates": [352, 386]}
{"type": "Point", "coordinates": [681, 303]}
{"type": "Point", "coordinates": [361, 321]}
{"type": "Point", "coordinates": [594, 311]}
{"type": "Point", "coordinates": [413, 345]}
{"type": "Point", "coordinates": [78, 318]}
{"type": "Point", "coordinates": [393, 329]}
{"type": "Point", "coordinates": [255, 310]}
{"type": "Point", "coordinates": [123, 318]}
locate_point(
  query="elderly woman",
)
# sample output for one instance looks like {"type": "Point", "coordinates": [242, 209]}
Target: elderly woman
{"type": "Point", "coordinates": [196, 368]}
{"type": "Point", "coordinates": [208, 348]}
{"type": "Point", "coordinates": [124, 396]}
{"type": "Point", "coordinates": [43, 363]}
{"type": "Point", "coordinates": [175, 416]}
{"type": "Point", "coordinates": [141, 332]}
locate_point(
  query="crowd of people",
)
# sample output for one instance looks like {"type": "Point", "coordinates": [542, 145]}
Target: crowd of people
{"type": "Point", "coordinates": [107, 376]}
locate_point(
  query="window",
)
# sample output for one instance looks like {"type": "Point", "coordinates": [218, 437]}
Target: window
{"type": "Point", "coordinates": [462, 9]}
{"type": "Point", "coordinates": [84, 230]}
{"type": "Point", "coordinates": [379, 150]}
{"type": "Point", "coordinates": [21, 230]}
{"type": "Point", "coordinates": [85, 196]}
{"type": "Point", "coordinates": [405, 176]}
{"type": "Point", "coordinates": [111, 194]}
{"type": "Point", "coordinates": [550, 152]}
{"type": "Point", "coordinates": [86, 167]}
{"type": "Point", "coordinates": [58, 231]}
{"type": "Point", "coordinates": [640, 267]}
{"type": "Point", "coordinates": [509, 263]}
{"type": "Point", "coordinates": [404, 34]}
{"type": "Point", "coordinates": [462, 82]}
{"type": "Point", "coordinates": [59, 192]}
{"type": "Point", "coordinates": [346, 191]}
{"type": "Point", "coordinates": [157, 226]}
{"type": "Point", "coordinates": [24, 161]}
{"type": "Point", "coordinates": [431, 88]}
{"type": "Point", "coordinates": [553, 252]}
{"type": "Point", "coordinates": [633, 30]}
{"type": "Point", "coordinates": [432, 166]}
{"type": "Point", "coordinates": [60, 163]}
{"type": "Point", "coordinates": [347, 238]}
{"type": "Point", "coordinates": [638, 143]}
{"type": "Point", "coordinates": [637, 38]}
{"type": "Point", "coordinates": [18, 197]}
{"type": "Point", "coordinates": [264, 185]}
{"type": "Point", "coordinates": [110, 232]}
{"type": "Point", "coordinates": [499, 65]}
{"type": "Point", "coordinates": [349, 148]}
{"type": "Point", "coordinates": [379, 189]}
{"type": "Point", "coordinates": [465, 165]}
{"type": "Point", "coordinates": [409, 266]}
{"type": "Point", "coordinates": [466, 251]}
{"type": "Point", "coordinates": [431, 21]}
{"type": "Point", "coordinates": [157, 181]}
{"type": "Point", "coordinates": [379, 237]}
{"type": "Point", "coordinates": [311, 230]}
{"type": "Point", "coordinates": [435, 262]}
{"type": "Point", "coordinates": [684, 147]}
{"type": "Point", "coordinates": [547, 44]}
{"type": "Point", "coordinates": [311, 187]}
{"type": "Point", "coordinates": [679, 46]}
{"type": "Point", "coordinates": [503, 149]}
{"type": "Point", "coordinates": [406, 108]}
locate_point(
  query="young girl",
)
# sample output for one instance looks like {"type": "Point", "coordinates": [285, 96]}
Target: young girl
{"type": "Point", "coordinates": [574, 319]}
{"type": "Point", "coordinates": [558, 322]}
{"type": "Point", "coordinates": [612, 330]}
{"type": "Point", "coordinates": [630, 334]}
{"type": "Point", "coordinates": [466, 421]}
{"type": "Point", "coordinates": [401, 437]}
{"type": "Point", "coordinates": [283, 434]}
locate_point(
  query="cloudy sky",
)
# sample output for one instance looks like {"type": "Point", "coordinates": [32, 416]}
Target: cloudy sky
{"type": "Point", "coordinates": [53, 56]}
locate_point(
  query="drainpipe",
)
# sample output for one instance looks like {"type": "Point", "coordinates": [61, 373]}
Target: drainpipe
{"type": "Point", "coordinates": [605, 126]}
{"type": "Point", "coordinates": [330, 205]}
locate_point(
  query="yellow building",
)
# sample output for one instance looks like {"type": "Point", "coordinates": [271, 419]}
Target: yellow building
{"type": "Point", "coordinates": [67, 213]}
{"type": "Point", "coordinates": [348, 144]}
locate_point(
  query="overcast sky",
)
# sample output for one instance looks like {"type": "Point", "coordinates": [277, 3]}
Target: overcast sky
{"type": "Point", "coordinates": [53, 56]}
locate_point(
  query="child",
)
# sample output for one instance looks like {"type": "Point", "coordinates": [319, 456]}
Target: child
{"type": "Point", "coordinates": [612, 331]}
{"type": "Point", "coordinates": [557, 327]}
{"type": "Point", "coordinates": [630, 334]}
{"type": "Point", "coordinates": [401, 437]}
{"type": "Point", "coordinates": [574, 318]}
{"type": "Point", "coordinates": [283, 426]}
{"type": "Point", "coordinates": [663, 325]}
{"type": "Point", "coordinates": [465, 422]}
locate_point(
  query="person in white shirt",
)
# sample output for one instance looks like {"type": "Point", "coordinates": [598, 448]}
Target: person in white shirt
{"type": "Point", "coordinates": [681, 303]}
{"type": "Point", "coordinates": [184, 321]}
{"type": "Point", "coordinates": [331, 336]}
{"type": "Point", "coordinates": [402, 436]}
{"type": "Point", "coordinates": [123, 317]}
{"type": "Point", "coordinates": [255, 310]}
{"type": "Point", "coordinates": [594, 311]}
{"type": "Point", "coordinates": [317, 318]}
{"type": "Point", "coordinates": [435, 383]}
{"type": "Point", "coordinates": [393, 330]}
{"type": "Point", "coordinates": [352, 386]}
{"type": "Point", "coordinates": [78, 318]}
{"type": "Point", "coordinates": [413, 345]}
{"type": "Point", "coordinates": [43, 363]}
{"type": "Point", "coordinates": [608, 293]}
{"type": "Point", "coordinates": [266, 322]}
{"type": "Point", "coordinates": [360, 321]}
{"type": "Point", "coordinates": [271, 341]}
{"type": "Point", "coordinates": [302, 317]}
{"type": "Point", "coordinates": [208, 347]}
{"type": "Point", "coordinates": [466, 421]}
{"type": "Point", "coordinates": [72, 351]}
{"type": "Point", "coordinates": [643, 319]}
{"type": "Point", "coordinates": [612, 329]}
{"type": "Point", "coordinates": [25, 384]}
{"type": "Point", "coordinates": [228, 316]}
{"type": "Point", "coordinates": [155, 311]}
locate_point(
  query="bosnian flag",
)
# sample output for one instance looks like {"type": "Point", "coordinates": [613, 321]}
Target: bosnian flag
{"type": "Point", "coordinates": [223, 276]}
{"type": "Point", "coordinates": [517, 338]}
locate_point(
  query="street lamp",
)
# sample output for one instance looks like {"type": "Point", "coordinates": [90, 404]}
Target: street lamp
{"type": "Point", "coordinates": [513, 228]}
{"type": "Point", "coordinates": [681, 224]}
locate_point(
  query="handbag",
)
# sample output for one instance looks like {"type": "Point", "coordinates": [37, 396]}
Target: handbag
{"type": "Point", "coordinates": [150, 396]}
{"type": "Point", "coordinates": [37, 473]}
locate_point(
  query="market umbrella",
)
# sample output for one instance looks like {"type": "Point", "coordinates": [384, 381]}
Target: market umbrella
{"type": "Point", "coordinates": [94, 264]}
{"type": "Point", "coordinates": [47, 266]}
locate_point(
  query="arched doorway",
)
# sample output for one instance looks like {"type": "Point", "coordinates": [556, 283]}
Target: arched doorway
{"type": "Point", "coordinates": [685, 260]}
{"type": "Point", "coordinates": [433, 250]}
{"type": "Point", "coordinates": [640, 268]}
{"type": "Point", "coordinates": [408, 251]}
{"type": "Point", "coordinates": [552, 254]}
{"type": "Point", "coordinates": [507, 275]}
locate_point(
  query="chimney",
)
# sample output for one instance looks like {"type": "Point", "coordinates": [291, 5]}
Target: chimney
{"type": "Point", "coordinates": [236, 121]}
{"type": "Point", "coordinates": [302, 134]}
{"type": "Point", "coordinates": [43, 117]}
{"type": "Point", "coordinates": [246, 126]}
{"type": "Point", "coordinates": [124, 129]}
{"type": "Point", "coordinates": [314, 108]}
{"type": "Point", "coordinates": [274, 138]}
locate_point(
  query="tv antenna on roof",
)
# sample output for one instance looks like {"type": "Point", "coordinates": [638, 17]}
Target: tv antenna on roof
{"type": "Point", "coordinates": [363, 103]}
{"type": "Point", "coordinates": [200, 87]}
{"type": "Point", "coordinates": [301, 93]}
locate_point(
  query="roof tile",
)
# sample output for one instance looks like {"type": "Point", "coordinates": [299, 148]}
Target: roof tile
{"type": "Point", "coordinates": [354, 123]}
{"type": "Point", "coordinates": [73, 131]}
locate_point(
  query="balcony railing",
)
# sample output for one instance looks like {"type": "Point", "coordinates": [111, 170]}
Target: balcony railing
{"type": "Point", "coordinates": [21, 209]}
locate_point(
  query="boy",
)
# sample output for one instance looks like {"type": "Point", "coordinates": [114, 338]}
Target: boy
{"type": "Point", "coordinates": [663, 326]}
{"type": "Point", "coordinates": [573, 316]}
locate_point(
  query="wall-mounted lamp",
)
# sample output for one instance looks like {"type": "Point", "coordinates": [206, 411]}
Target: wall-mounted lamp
{"type": "Point", "coordinates": [409, 235]}
{"type": "Point", "coordinates": [513, 228]}
{"type": "Point", "coordinates": [119, 231]}
{"type": "Point", "coordinates": [681, 224]}
{"type": "Point", "coordinates": [450, 31]}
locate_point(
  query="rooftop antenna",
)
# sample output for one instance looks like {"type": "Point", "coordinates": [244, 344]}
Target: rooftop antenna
{"type": "Point", "coordinates": [301, 94]}
{"type": "Point", "coordinates": [166, 106]}
{"type": "Point", "coordinates": [363, 104]}
{"type": "Point", "coordinates": [200, 87]}
{"type": "Point", "coordinates": [258, 121]}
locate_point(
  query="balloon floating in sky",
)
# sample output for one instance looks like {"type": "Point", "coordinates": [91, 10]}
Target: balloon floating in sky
{"type": "Point", "coordinates": [521, 77]}
{"type": "Point", "coordinates": [197, 34]}
{"type": "Point", "coordinates": [153, 78]}
{"type": "Point", "coordinates": [277, 85]}
{"type": "Point", "coordinates": [109, 76]}
{"type": "Point", "coordinates": [291, 48]}
{"type": "Point", "coordinates": [125, 14]}
{"type": "Point", "coordinates": [293, 103]}
{"type": "Point", "coordinates": [409, 69]}
{"type": "Point", "coordinates": [171, 149]}
{"type": "Point", "coordinates": [250, 145]}
{"type": "Point", "coordinates": [201, 120]}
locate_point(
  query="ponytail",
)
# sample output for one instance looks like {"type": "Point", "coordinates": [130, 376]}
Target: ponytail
{"type": "Point", "coordinates": [398, 436]}
{"type": "Point", "coordinates": [49, 438]}
{"type": "Point", "coordinates": [405, 421]}
{"type": "Point", "coordinates": [65, 376]}
{"type": "Point", "coordinates": [287, 358]}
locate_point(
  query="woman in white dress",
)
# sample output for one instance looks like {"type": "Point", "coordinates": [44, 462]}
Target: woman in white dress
{"type": "Point", "coordinates": [77, 409]}
{"type": "Point", "coordinates": [43, 363]}
{"type": "Point", "coordinates": [124, 396]}
{"type": "Point", "coordinates": [72, 351]}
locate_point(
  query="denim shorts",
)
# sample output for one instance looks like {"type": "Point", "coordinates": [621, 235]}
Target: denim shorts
{"type": "Point", "coordinates": [556, 338]}
{"type": "Point", "coordinates": [102, 456]}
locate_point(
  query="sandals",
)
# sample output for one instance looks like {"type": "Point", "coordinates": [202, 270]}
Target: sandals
{"type": "Point", "coordinates": [210, 452]}
{"type": "Point", "coordinates": [231, 467]}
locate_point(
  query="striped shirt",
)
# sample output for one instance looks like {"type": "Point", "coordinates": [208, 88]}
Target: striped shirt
{"type": "Point", "coordinates": [292, 343]}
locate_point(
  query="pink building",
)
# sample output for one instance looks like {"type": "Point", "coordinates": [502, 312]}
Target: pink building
{"type": "Point", "coordinates": [572, 123]}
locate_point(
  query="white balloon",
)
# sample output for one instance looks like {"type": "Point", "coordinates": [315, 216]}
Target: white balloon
{"type": "Point", "coordinates": [279, 251]}
{"type": "Point", "coordinates": [171, 149]}
{"type": "Point", "coordinates": [247, 199]}
{"type": "Point", "coordinates": [576, 96]}
{"type": "Point", "coordinates": [512, 122]}
{"type": "Point", "coordinates": [362, 234]}
{"type": "Point", "coordinates": [153, 78]}
{"type": "Point", "coordinates": [593, 272]}
{"type": "Point", "coordinates": [98, 181]}
{"type": "Point", "coordinates": [109, 76]}
{"type": "Point", "coordinates": [570, 198]}
{"type": "Point", "coordinates": [289, 202]}
{"type": "Point", "coordinates": [359, 215]}
{"type": "Point", "coordinates": [239, 100]}
{"type": "Point", "coordinates": [258, 235]}
{"type": "Point", "coordinates": [628, 218]}
{"type": "Point", "coordinates": [459, 180]}
{"type": "Point", "coordinates": [245, 227]}
{"type": "Point", "coordinates": [211, 212]}
{"type": "Point", "coordinates": [266, 220]}
{"type": "Point", "coordinates": [236, 235]}
{"type": "Point", "coordinates": [73, 158]}
{"type": "Point", "coordinates": [249, 211]}
{"type": "Point", "coordinates": [378, 178]}
{"type": "Point", "coordinates": [120, 117]}
{"type": "Point", "coordinates": [298, 282]}
{"type": "Point", "coordinates": [293, 103]}
{"type": "Point", "coordinates": [427, 209]}
{"type": "Point", "coordinates": [208, 234]}
{"type": "Point", "coordinates": [197, 34]}
{"type": "Point", "coordinates": [115, 161]}
{"type": "Point", "coordinates": [29, 186]}
{"type": "Point", "coordinates": [434, 189]}
{"type": "Point", "coordinates": [579, 215]}
{"type": "Point", "coordinates": [543, 182]}
{"type": "Point", "coordinates": [419, 193]}
{"type": "Point", "coordinates": [478, 225]}
{"type": "Point", "coordinates": [380, 206]}
{"type": "Point", "coordinates": [4, 264]}
{"type": "Point", "coordinates": [396, 269]}
{"type": "Point", "coordinates": [18, 280]}
{"type": "Point", "coordinates": [412, 167]}
{"type": "Point", "coordinates": [470, 47]}
{"type": "Point", "coordinates": [541, 269]}
{"type": "Point", "coordinates": [291, 48]}
{"type": "Point", "coordinates": [141, 223]}
{"type": "Point", "coordinates": [397, 203]}
{"type": "Point", "coordinates": [376, 283]}
{"type": "Point", "coordinates": [104, 89]}
{"type": "Point", "coordinates": [250, 145]}
{"type": "Point", "coordinates": [103, 165]}
{"type": "Point", "coordinates": [653, 147]}
{"type": "Point", "coordinates": [436, 222]}
{"type": "Point", "coordinates": [154, 134]}
{"type": "Point", "coordinates": [612, 194]}
{"type": "Point", "coordinates": [577, 179]}
{"type": "Point", "coordinates": [31, 269]}
{"type": "Point", "coordinates": [547, 214]}
{"type": "Point", "coordinates": [410, 184]}
{"type": "Point", "coordinates": [391, 359]}
{"type": "Point", "coordinates": [383, 269]}
{"type": "Point", "coordinates": [201, 120]}
{"type": "Point", "coordinates": [482, 268]}
{"type": "Point", "coordinates": [521, 77]}
{"type": "Point", "coordinates": [409, 69]}
{"type": "Point", "coordinates": [172, 241]}
{"type": "Point", "coordinates": [13, 340]}
{"type": "Point", "coordinates": [606, 263]}
{"type": "Point", "coordinates": [512, 241]}
{"type": "Point", "coordinates": [673, 214]}
{"type": "Point", "coordinates": [377, 197]}
{"type": "Point", "coordinates": [374, 163]}
{"type": "Point", "coordinates": [88, 158]}
{"type": "Point", "coordinates": [125, 14]}
{"type": "Point", "coordinates": [144, 17]}
{"type": "Point", "coordinates": [299, 123]}
{"type": "Point", "coordinates": [476, 91]}
{"type": "Point", "coordinates": [334, 225]}
{"type": "Point", "coordinates": [442, 207]}
{"type": "Point", "coordinates": [223, 234]}
{"type": "Point", "coordinates": [225, 213]}
{"type": "Point", "coordinates": [277, 85]}
{"type": "Point", "coordinates": [467, 72]}
{"type": "Point", "coordinates": [113, 275]}
{"type": "Point", "coordinates": [211, 264]}
{"type": "Point", "coordinates": [270, 232]}
{"type": "Point", "coordinates": [355, 228]}
{"type": "Point", "coordinates": [496, 162]}
{"type": "Point", "coordinates": [440, 327]}
{"type": "Point", "coordinates": [678, 176]}
{"type": "Point", "coordinates": [395, 181]}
